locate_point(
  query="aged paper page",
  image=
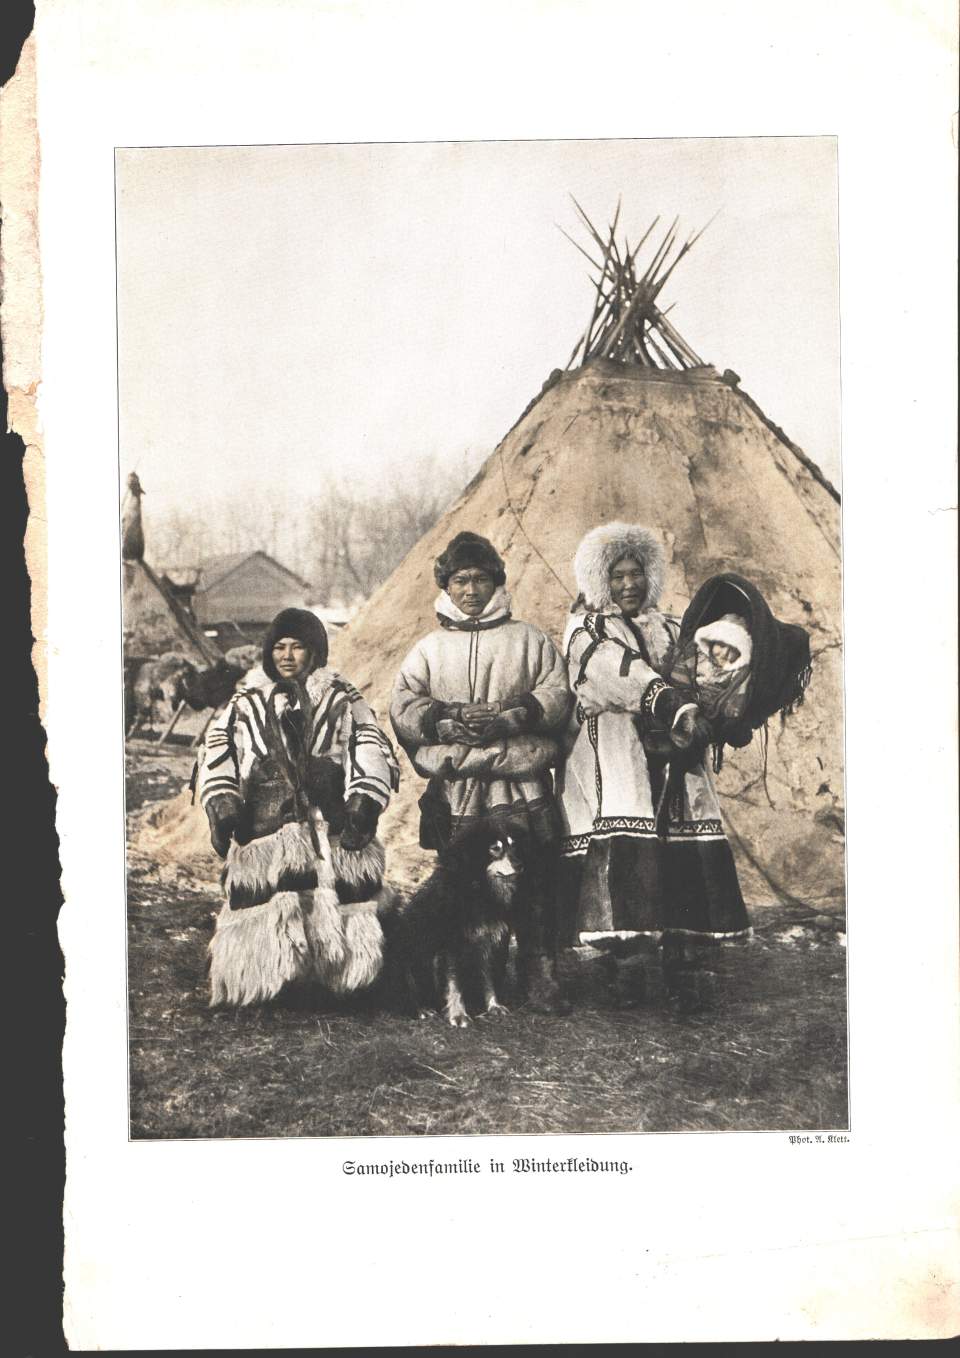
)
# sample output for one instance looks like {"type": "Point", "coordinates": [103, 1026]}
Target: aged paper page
{"type": "Point", "coordinates": [736, 1235]}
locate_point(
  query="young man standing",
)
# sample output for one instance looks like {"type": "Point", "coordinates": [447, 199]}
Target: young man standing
{"type": "Point", "coordinates": [478, 706]}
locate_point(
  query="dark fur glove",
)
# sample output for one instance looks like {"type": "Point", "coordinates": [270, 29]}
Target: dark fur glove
{"type": "Point", "coordinates": [451, 732]}
{"type": "Point", "coordinates": [506, 724]}
{"type": "Point", "coordinates": [225, 814]}
{"type": "Point", "coordinates": [665, 706]}
{"type": "Point", "coordinates": [359, 822]}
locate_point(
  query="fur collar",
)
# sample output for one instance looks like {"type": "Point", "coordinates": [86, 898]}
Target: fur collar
{"type": "Point", "coordinates": [599, 552]}
{"type": "Point", "coordinates": [496, 611]}
{"type": "Point", "coordinates": [317, 684]}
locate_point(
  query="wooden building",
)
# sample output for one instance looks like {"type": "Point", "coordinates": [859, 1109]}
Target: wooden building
{"type": "Point", "coordinates": [235, 597]}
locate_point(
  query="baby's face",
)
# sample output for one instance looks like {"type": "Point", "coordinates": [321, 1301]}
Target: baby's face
{"type": "Point", "coordinates": [721, 653]}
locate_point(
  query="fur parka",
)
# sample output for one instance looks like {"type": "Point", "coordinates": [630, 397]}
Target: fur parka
{"type": "Point", "coordinates": [299, 907]}
{"type": "Point", "coordinates": [643, 844]}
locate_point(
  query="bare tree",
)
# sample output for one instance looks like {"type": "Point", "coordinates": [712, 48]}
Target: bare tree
{"type": "Point", "coordinates": [343, 542]}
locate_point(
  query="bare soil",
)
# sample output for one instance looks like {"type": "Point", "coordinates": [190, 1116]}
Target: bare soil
{"type": "Point", "coordinates": [769, 1053]}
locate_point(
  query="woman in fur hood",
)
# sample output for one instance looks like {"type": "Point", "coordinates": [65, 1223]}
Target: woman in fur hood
{"type": "Point", "coordinates": [644, 848]}
{"type": "Point", "coordinates": [293, 776]}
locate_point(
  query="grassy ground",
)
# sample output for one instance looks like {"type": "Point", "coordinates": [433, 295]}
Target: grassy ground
{"type": "Point", "coordinates": [769, 1054]}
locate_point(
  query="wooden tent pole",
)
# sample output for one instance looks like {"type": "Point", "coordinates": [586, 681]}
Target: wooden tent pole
{"type": "Point", "coordinates": [577, 246]}
{"type": "Point", "coordinates": [660, 281]}
{"type": "Point", "coordinates": [633, 254]}
{"type": "Point", "coordinates": [597, 301]}
{"type": "Point", "coordinates": [685, 362]}
{"type": "Point", "coordinates": [660, 255]}
{"type": "Point", "coordinates": [621, 324]}
{"type": "Point", "coordinates": [676, 341]}
{"type": "Point", "coordinates": [588, 223]}
{"type": "Point", "coordinates": [168, 729]}
{"type": "Point", "coordinates": [614, 331]}
{"type": "Point", "coordinates": [650, 338]}
{"type": "Point", "coordinates": [203, 731]}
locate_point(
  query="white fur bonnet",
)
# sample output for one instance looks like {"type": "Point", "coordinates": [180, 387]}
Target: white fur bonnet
{"type": "Point", "coordinates": [600, 551]}
{"type": "Point", "coordinates": [731, 631]}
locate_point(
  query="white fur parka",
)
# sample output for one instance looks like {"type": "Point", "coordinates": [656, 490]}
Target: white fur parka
{"type": "Point", "coordinates": [605, 787]}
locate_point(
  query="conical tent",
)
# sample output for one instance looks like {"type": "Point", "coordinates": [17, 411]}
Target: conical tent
{"type": "Point", "coordinates": [154, 622]}
{"type": "Point", "coordinates": [644, 431]}
{"type": "Point", "coordinates": [676, 447]}
{"type": "Point", "coordinates": [690, 456]}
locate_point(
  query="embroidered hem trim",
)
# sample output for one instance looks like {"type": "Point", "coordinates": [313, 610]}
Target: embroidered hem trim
{"type": "Point", "coordinates": [641, 827]}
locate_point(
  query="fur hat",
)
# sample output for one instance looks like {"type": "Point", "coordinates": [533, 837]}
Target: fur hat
{"type": "Point", "coordinates": [303, 626]}
{"type": "Point", "coordinates": [469, 550]}
{"type": "Point", "coordinates": [600, 551]}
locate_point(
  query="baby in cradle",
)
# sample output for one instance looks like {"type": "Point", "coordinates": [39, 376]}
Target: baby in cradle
{"type": "Point", "coordinates": [721, 666]}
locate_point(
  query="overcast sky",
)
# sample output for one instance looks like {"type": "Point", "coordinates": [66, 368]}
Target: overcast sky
{"type": "Point", "coordinates": [300, 313]}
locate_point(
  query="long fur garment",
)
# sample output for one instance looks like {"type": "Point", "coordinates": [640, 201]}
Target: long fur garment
{"type": "Point", "coordinates": [297, 933]}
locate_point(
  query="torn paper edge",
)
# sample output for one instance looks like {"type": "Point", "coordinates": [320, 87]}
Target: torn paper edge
{"type": "Point", "coordinates": [21, 318]}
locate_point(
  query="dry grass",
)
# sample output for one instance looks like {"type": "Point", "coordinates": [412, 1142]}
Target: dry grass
{"type": "Point", "coordinates": [769, 1055]}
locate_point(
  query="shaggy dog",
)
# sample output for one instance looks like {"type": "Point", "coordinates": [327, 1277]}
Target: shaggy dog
{"type": "Point", "coordinates": [449, 942]}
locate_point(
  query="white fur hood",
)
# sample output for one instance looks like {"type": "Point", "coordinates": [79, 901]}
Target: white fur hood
{"type": "Point", "coordinates": [731, 631]}
{"type": "Point", "coordinates": [599, 552]}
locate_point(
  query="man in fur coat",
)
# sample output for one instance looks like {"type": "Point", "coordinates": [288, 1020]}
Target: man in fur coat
{"type": "Point", "coordinates": [478, 706]}
{"type": "Point", "coordinates": [293, 777]}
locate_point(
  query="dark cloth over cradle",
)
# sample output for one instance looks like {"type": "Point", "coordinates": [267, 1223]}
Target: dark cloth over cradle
{"type": "Point", "coordinates": [780, 659]}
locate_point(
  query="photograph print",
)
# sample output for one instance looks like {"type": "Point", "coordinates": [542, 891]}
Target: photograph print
{"type": "Point", "coordinates": [483, 688]}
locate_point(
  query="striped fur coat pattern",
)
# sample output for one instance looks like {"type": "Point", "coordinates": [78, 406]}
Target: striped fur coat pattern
{"type": "Point", "coordinates": [341, 725]}
{"type": "Point", "coordinates": [297, 928]}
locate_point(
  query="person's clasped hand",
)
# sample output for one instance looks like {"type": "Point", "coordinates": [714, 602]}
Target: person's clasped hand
{"type": "Point", "coordinates": [465, 723]}
{"type": "Point", "coordinates": [480, 723]}
{"type": "Point", "coordinates": [477, 717]}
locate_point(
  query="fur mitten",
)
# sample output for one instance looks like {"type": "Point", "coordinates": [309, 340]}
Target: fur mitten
{"type": "Point", "coordinates": [690, 729]}
{"type": "Point", "coordinates": [361, 814]}
{"type": "Point", "coordinates": [225, 815]}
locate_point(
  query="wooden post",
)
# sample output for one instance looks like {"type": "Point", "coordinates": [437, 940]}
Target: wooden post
{"type": "Point", "coordinates": [168, 729]}
{"type": "Point", "coordinates": [203, 731]}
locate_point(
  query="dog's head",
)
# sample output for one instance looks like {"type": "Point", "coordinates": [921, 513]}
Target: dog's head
{"type": "Point", "coordinates": [500, 851]}
{"type": "Point", "coordinates": [506, 854]}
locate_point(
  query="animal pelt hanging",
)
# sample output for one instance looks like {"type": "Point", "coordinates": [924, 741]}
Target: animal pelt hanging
{"type": "Point", "coordinates": [299, 908]}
